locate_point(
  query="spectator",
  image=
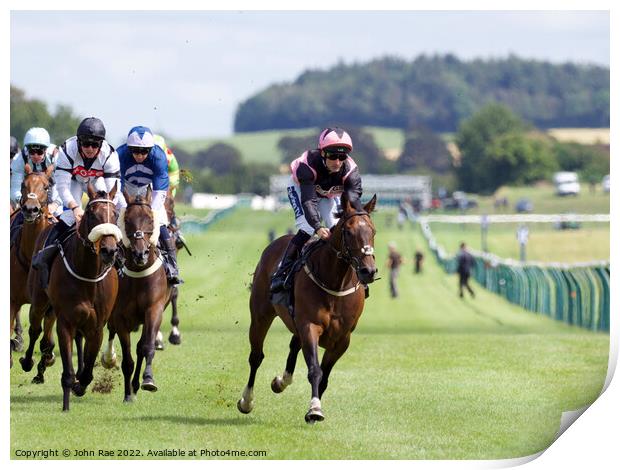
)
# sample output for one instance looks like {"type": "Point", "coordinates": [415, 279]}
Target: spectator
{"type": "Point", "coordinates": [419, 258]}
{"type": "Point", "coordinates": [465, 264]}
{"type": "Point", "coordinates": [393, 263]}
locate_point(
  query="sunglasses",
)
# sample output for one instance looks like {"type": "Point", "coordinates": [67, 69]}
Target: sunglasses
{"type": "Point", "coordinates": [140, 150]}
{"type": "Point", "coordinates": [94, 144]}
{"type": "Point", "coordinates": [36, 150]}
{"type": "Point", "coordinates": [336, 156]}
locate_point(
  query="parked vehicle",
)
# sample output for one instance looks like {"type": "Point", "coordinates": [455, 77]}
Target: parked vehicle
{"type": "Point", "coordinates": [524, 205]}
{"type": "Point", "coordinates": [566, 183]}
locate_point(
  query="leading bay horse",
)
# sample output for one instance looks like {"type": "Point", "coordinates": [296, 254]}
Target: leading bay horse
{"type": "Point", "coordinates": [82, 288]}
{"type": "Point", "coordinates": [143, 294]}
{"type": "Point", "coordinates": [33, 206]}
{"type": "Point", "coordinates": [329, 299]}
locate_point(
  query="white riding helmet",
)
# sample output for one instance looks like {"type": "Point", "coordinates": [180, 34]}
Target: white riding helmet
{"type": "Point", "coordinates": [37, 136]}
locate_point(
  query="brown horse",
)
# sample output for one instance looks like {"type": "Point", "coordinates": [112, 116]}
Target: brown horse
{"type": "Point", "coordinates": [143, 294]}
{"type": "Point", "coordinates": [328, 302]}
{"type": "Point", "coordinates": [33, 206]}
{"type": "Point", "coordinates": [82, 288]}
{"type": "Point", "coordinates": [173, 227]}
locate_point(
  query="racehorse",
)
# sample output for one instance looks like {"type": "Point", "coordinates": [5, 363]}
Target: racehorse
{"type": "Point", "coordinates": [173, 227]}
{"type": "Point", "coordinates": [33, 205]}
{"type": "Point", "coordinates": [328, 302]}
{"type": "Point", "coordinates": [82, 288]}
{"type": "Point", "coordinates": [143, 294]}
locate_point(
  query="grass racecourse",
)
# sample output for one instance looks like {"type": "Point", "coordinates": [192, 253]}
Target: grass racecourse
{"type": "Point", "coordinates": [427, 375]}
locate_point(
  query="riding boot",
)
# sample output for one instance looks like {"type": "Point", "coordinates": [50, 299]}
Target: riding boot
{"type": "Point", "coordinates": [42, 260]}
{"type": "Point", "coordinates": [171, 260]}
{"type": "Point", "coordinates": [119, 261]}
{"type": "Point", "coordinates": [279, 277]}
{"type": "Point", "coordinates": [18, 221]}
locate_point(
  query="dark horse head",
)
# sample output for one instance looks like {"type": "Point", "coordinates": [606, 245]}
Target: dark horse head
{"type": "Point", "coordinates": [35, 189]}
{"type": "Point", "coordinates": [98, 228]}
{"type": "Point", "coordinates": [353, 239]}
{"type": "Point", "coordinates": [137, 223]}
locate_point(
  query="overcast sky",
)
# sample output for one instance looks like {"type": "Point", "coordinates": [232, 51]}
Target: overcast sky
{"type": "Point", "coordinates": [184, 73]}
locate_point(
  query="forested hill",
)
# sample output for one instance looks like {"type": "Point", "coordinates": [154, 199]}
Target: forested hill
{"type": "Point", "coordinates": [437, 91]}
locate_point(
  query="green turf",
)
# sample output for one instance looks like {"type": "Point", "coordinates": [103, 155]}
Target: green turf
{"type": "Point", "coordinates": [545, 243]}
{"type": "Point", "coordinates": [427, 376]}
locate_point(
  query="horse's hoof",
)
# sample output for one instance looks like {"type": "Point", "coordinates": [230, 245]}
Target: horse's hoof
{"type": "Point", "coordinates": [27, 364]}
{"type": "Point", "coordinates": [159, 345]}
{"type": "Point", "coordinates": [174, 339]}
{"type": "Point", "coordinates": [243, 407]}
{"type": "Point", "coordinates": [148, 385]}
{"type": "Point", "coordinates": [78, 390]}
{"type": "Point", "coordinates": [50, 360]}
{"type": "Point", "coordinates": [129, 399]}
{"type": "Point", "coordinates": [17, 344]}
{"type": "Point", "coordinates": [314, 415]}
{"type": "Point", "coordinates": [38, 379]}
{"type": "Point", "coordinates": [108, 362]}
{"type": "Point", "coordinates": [277, 385]}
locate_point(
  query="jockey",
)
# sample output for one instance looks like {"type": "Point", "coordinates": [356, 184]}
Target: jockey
{"type": "Point", "coordinates": [143, 163]}
{"type": "Point", "coordinates": [86, 157]}
{"type": "Point", "coordinates": [173, 164]}
{"type": "Point", "coordinates": [39, 154]}
{"type": "Point", "coordinates": [318, 179]}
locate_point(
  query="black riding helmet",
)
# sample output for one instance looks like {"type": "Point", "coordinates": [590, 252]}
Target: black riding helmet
{"type": "Point", "coordinates": [14, 146]}
{"type": "Point", "coordinates": [91, 127]}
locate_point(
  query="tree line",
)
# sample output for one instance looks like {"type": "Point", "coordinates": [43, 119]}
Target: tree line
{"type": "Point", "coordinates": [436, 92]}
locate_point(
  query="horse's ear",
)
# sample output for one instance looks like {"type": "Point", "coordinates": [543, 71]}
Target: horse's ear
{"type": "Point", "coordinates": [49, 171]}
{"type": "Point", "coordinates": [112, 193]}
{"type": "Point", "coordinates": [128, 198]}
{"type": "Point", "coordinates": [90, 189]}
{"type": "Point", "coordinates": [149, 194]}
{"type": "Point", "coordinates": [27, 169]}
{"type": "Point", "coordinates": [344, 202]}
{"type": "Point", "coordinates": [370, 205]}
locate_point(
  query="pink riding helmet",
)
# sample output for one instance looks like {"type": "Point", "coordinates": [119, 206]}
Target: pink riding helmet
{"type": "Point", "coordinates": [335, 137]}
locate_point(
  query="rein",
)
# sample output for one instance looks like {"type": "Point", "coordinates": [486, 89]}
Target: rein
{"type": "Point", "coordinates": [344, 254]}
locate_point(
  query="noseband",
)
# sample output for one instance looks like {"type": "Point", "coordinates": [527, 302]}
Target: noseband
{"type": "Point", "coordinates": [93, 233]}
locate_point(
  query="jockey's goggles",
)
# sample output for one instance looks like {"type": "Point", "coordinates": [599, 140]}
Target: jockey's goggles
{"type": "Point", "coordinates": [95, 144]}
{"type": "Point", "coordinates": [336, 156]}
{"type": "Point", "coordinates": [36, 149]}
{"type": "Point", "coordinates": [140, 150]}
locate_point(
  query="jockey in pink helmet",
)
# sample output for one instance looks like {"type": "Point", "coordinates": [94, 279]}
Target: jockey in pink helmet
{"type": "Point", "coordinates": [318, 179]}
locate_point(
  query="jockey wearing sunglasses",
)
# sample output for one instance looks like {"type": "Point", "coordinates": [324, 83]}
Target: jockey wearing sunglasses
{"type": "Point", "coordinates": [39, 154]}
{"type": "Point", "coordinates": [144, 163]}
{"type": "Point", "coordinates": [318, 179]}
{"type": "Point", "coordinates": [83, 158]}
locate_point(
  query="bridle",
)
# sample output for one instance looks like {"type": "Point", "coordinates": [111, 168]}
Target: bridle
{"type": "Point", "coordinates": [42, 205]}
{"type": "Point", "coordinates": [346, 253]}
{"type": "Point", "coordinates": [140, 234]}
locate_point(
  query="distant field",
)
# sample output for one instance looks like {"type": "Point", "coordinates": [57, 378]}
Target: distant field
{"type": "Point", "coordinates": [581, 135]}
{"type": "Point", "coordinates": [545, 201]}
{"type": "Point", "coordinates": [545, 244]}
{"type": "Point", "coordinates": [263, 146]}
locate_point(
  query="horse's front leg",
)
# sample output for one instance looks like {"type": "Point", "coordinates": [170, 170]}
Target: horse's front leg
{"type": "Point", "coordinates": [47, 348]}
{"type": "Point", "coordinates": [92, 345]}
{"type": "Point", "coordinates": [330, 357]}
{"type": "Point", "coordinates": [310, 344]}
{"type": "Point", "coordinates": [151, 327]}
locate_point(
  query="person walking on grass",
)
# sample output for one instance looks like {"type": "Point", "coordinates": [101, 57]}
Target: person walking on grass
{"type": "Point", "coordinates": [465, 264]}
{"type": "Point", "coordinates": [393, 263]}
